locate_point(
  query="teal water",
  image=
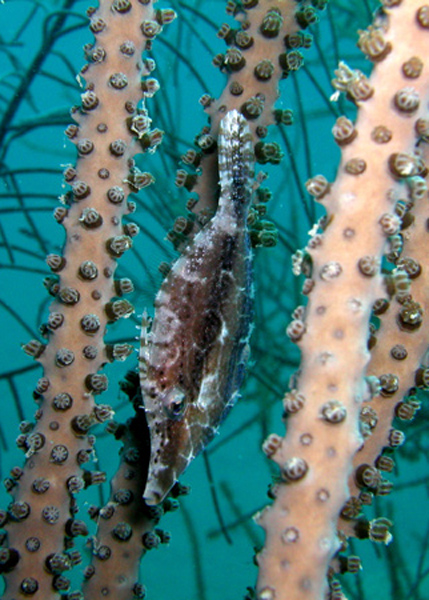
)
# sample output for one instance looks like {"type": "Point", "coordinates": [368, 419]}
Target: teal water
{"type": "Point", "coordinates": [202, 563]}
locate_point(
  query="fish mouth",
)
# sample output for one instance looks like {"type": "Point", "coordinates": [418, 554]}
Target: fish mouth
{"type": "Point", "coordinates": [154, 494]}
{"type": "Point", "coordinates": [152, 498]}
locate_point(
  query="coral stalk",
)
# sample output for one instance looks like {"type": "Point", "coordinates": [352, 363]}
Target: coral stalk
{"type": "Point", "coordinates": [378, 166]}
{"type": "Point", "coordinates": [112, 127]}
{"type": "Point", "coordinates": [263, 50]}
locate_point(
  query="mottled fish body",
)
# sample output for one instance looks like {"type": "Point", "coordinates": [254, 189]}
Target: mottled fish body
{"type": "Point", "coordinates": [193, 364]}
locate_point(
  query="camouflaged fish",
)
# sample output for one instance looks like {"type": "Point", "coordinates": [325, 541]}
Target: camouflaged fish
{"type": "Point", "coordinates": [192, 363]}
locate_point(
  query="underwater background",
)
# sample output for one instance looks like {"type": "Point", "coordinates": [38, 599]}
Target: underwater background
{"type": "Point", "coordinates": [213, 536]}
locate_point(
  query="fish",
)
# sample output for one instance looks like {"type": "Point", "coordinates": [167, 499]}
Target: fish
{"type": "Point", "coordinates": [193, 361]}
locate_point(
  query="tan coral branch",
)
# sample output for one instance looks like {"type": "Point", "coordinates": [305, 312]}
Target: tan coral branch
{"type": "Point", "coordinates": [323, 427]}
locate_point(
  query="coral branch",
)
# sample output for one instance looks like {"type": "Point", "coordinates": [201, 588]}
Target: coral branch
{"type": "Point", "coordinates": [262, 51]}
{"type": "Point", "coordinates": [126, 525]}
{"type": "Point", "coordinates": [324, 431]}
{"type": "Point", "coordinates": [113, 127]}
{"type": "Point", "coordinates": [396, 360]}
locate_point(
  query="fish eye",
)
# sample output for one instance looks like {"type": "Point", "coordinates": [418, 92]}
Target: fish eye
{"type": "Point", "coordinates": [175, 403]}
{"type": "Point", "coordinates": [176, 407]}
